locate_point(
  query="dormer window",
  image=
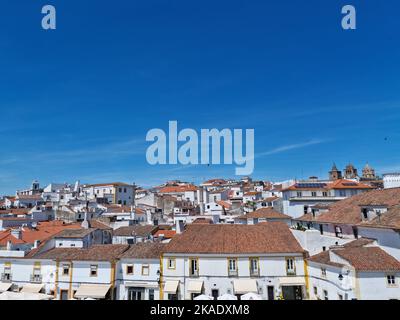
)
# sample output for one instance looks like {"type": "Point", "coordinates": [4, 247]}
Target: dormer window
{"type": "Point", "coordinates": [365, 213]}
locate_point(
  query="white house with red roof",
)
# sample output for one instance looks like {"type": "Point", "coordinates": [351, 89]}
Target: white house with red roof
{"type": "Point", "coordinates": [301, 197]}
{"type": "Point", "coordinates": [358, 270]}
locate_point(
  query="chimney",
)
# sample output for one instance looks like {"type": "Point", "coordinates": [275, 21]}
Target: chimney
{"type": "Point", "coordinates": [16, 233]}
{"type": "Point", "coordinates": [133, 213]}
{"type": "Point", "coordinates": [179, 227]}
{"type": "Point", "coordinates": [148, 216]}
{"type": "Point", "coordinates": [36, 244]}
{"type": "Point", "coordinates": [9, 245]}
{"type": "Point", "coordinates": [200, 197]}
{"type": "Point", "coordinates": [85, 224]}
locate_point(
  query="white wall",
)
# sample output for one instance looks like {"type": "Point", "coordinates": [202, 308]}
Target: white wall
{"type": "Point", "coordinates": [213, 270]}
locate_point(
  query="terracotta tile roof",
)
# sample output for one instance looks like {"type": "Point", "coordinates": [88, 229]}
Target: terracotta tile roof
{"type": "Point", "coordinates": [361, 256]}
{"type": "Point", "coordinates": [252, 193]}
{"type": "Point", "coordinates": [369, 259]}
{"type": "Point", "coordinates": [103, 252]}
{"type": "Point", "coordinates": [114, 184]}
{"type": "Point", "coordinates": [29, 197]}
{"type": "Point", "coordinates": [202, 220]}
{"type": "Point", "coordinates": [17, 211]}
{"type": "Point", "coordinates": [140, 231]}
{"type": "Point", "coordinates": [337, 184]}
{"type": "Point", "coordinates": [270, 237]}
{"type": "Point", "coordinates": [114, 208]}
{"type": "Point", "coordinates": [167, 234]}
{"type": "Point", "coordinates": [323, 258]}
{"type": "Point", "coordinates": [215, 181]}
{"type": "Point", "coordinates": [178, 189]}
{"type": "Point", "coordinates": [148, 250]}
{"type": "Point", "coordinates": [348, 184]}
{"type": "Point", "coordinates": [389, 219]}
{"type": "Point", "coordinates": [266, 213]}
{"type": "Point", "coordinates": [74, 233]}
{"type": "Point", "coordinates": [43, 231]}
{"type": "Point", "coordinates": [348, 211]}
{"type": "Point", "coordinates": [224, 204]}
{"type": "Point", "coordinates": [270, 199]}
{"type": "Point", "coordinates": [94, 223]}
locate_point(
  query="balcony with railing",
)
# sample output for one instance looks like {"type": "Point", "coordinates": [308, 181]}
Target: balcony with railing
{"type": "Point", "coordinates": [36, 278]}
{"type": "Point", "coordinates": [232, 273]}
{"type": "Point", "coordinates": [254, 272]}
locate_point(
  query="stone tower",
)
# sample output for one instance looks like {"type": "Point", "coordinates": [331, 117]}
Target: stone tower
{"type": "Point", "coordinates": [350, 172]}
{"type": "Point", "coordinates": [335, 174]}
{"type": "Point", "coordinates": [368, 172]}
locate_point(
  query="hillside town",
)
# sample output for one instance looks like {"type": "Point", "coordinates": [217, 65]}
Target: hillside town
{"type": "Point", "coordinates": [224, 239]}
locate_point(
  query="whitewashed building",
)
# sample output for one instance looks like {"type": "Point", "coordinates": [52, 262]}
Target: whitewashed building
{"type": "Point", "coordinates": [357, 270]}
{"type": "Point", "coordinates": [300, 198]}
{"type": "Point", "coordinates": [264, 259]}
{"type": "Point", "coordinates": [138, 272]}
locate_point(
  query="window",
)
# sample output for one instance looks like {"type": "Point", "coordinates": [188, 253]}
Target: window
{"type": "Point", "coordinates": [93, 270]}
{"type": "Point", "coordinates": [6, 276]}
{"type": "Point", "coordinates": [326, 297]}
{"type": "Point", "coordinates": [338, 232]}
{"type": "Point", "coordinates": [299, 194]}
{"type": "Point", "coordinates": [37, 273]}
{"type": "Point", "coordinates": [254, 262]}
{"type": "Point", "coordinates": [194, 267]}
{"type": "Point", "coordinates": [324, 194]}
{"type": "Point", "coordinates": [119, 189]}
{"type": "Point", "coordinates": [355, 232]}
{"type": "Point", "coordinates": [365, 213]}
{"type": "Point", "coordinates": [129, 269]}
{"type": "Point", "coordinates": [391, 280]}
{"type": "Point", "coordinates": [313, 194]}
{"type": "Point", "coordinates": [315, 291]}
{"type": "Point", "coordinates": [151, 294]}
{"type": "Point", "coordinates": [119, 202]}
{"type": "Point", "coordinates": [342, 193]}
{"type": "Point", "coordinates": [232, 267]}
{"type": "Point", "coordinates": [340, 297]}
{"type": "Point", "coordinates": [145, 270]}
{"type": "Point", "coordinates": [124, 190]}
{"type": "Point", "coordinates": [65, 269]}
{"type": "Point", "coordinates": [323, 272]}
{"type": "Point", "coordinates": [290, 267]}
{"type": "Point", "coordinates": [305, 209]}
{"type": "Point", "coordinates": [171, 263]}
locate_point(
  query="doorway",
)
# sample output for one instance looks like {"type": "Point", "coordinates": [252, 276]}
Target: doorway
{"type": "Point", "coordinates": [292, 293]}
{"type": "Point", "coordinates": [271, 294]}
{"type": "Point", "coordinates": [136, 294]}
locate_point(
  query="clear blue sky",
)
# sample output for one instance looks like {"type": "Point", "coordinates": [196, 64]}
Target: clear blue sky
{"type": "Point", "coordinates": [76, 103]}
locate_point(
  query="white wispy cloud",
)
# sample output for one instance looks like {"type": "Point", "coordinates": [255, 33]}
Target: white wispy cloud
{"type": "Point", "coordinates": [134, 146]}
{"type": "Point", "coordinates": [290, 147]}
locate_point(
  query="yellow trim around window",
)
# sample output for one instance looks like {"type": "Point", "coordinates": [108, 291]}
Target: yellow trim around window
{"type": "Point", "coordinates": [197, 265]}
{"type": "Point", "coordinates": [66, 266]}
{"type": "Point", "coordinates": [145, 266]}
{"type": "Point", "coordinates": [294, 265]}
{"type": "Point", "coordinates": [258, 264]}
{"type": "Point", "coordinates": [236, 265]}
